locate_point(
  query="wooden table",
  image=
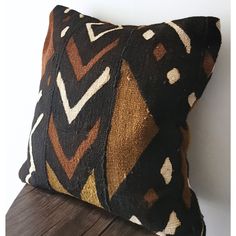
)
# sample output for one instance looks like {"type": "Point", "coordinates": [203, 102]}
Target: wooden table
{"type": "Point", "coordinates": [38, 212]}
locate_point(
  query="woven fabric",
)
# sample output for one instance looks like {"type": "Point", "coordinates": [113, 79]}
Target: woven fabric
{"type": "Point", "coordinates": [110, 122]}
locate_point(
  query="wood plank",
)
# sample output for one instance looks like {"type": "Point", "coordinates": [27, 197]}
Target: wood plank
{"type": "Point", "coordinates": [41, 213]}
{"type": "Point", "coordinates": [101, 225]}
{"type": "Point", "coordinates": [38, 212]}
{"type": "Point", "coordinates": [124, 228]}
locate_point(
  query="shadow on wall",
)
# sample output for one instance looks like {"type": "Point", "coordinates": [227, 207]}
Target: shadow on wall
{"type": "Point", "coordinates": [209, 122]}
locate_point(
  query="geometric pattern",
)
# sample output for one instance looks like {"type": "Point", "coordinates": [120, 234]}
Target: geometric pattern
{"type": "Point", "coordinates": [76, 60]}
{"type": "Point", "coordinates": [171, 226]}
{"type": "Point", "coordinates": [54, 182]}
{"type": "Point", "coordinates": [72, 112]}
{"type": "Point", "coordinates": [166, 170]}
{"type": "Point", "coordinates": [110, 123]}
{"type": "Point", "coordinates": [135, 220]}
{"type": "Point", "coordinates": [182, 35]}
{"type": "Point", "coordinates": [88, 192]}
{"type": "Point", "coordinates": [69, 164]}
{"type": "Point", "coordinates": [94, 37]}
{"type": "Point", "coordinates": [131, 121]}
{"type": "Point", "coordinates": [173, 76]}
{"type": "Point", "coordinates": [148, 34]}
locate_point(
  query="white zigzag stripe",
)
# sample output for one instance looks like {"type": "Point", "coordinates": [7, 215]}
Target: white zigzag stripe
{"type": "Point", "coordinates": [32, 166]}
{"type": "Point", "coordinates": [73, 112]}
{"type": "Point", "coordinates": [39, 95]}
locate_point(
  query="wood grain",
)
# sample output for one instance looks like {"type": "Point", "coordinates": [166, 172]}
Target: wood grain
{"type": "Point", "coordinates": [38, 212]}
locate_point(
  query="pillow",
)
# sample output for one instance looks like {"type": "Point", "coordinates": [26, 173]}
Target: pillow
{"type": "Point", "coordinates": [110, 121]}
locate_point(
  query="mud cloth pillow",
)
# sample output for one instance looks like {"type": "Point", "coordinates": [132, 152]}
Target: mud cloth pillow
{"type": "Point", "coordinates": [110, 121]}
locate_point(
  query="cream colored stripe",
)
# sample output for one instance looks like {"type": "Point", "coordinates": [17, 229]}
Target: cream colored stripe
{"type": "Point", "coordinates": [63, 32]}
{"type": "Point", "coordinates": [39, 95]}
{"type": "Point", "coordinates": [160, 234]}
{"type": "Point", "coordinates": [218, 25]}
{"type": "Point", "coordinates": [32, 166]}
{"type": "Point", "coordinates": [73, 112]}
{"type": "Point", "coordinates": [182, 35]}
{"type": "Point", "coordinates": [67, 10]}
{"type": "Point", "coordinates": [135, 220]}
{"type": "Point", "coordinates": [92, 37]}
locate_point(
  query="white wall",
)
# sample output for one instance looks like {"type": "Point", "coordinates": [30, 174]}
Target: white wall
{"type": "Point", "coordinates": [25, 28]}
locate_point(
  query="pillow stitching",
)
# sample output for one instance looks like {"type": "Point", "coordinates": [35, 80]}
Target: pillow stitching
{"type": "Point", "coordinates": [111, 112]}
{"type": "Point", "coordinates": [55, 67]}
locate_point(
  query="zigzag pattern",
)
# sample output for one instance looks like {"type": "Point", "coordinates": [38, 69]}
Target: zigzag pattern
{"type": "Point", "coordinates": [69, 164]}
{"type": "Point", "coordinates": [73, 112]}
{"type": "Point", "coordinates": [79, 69]}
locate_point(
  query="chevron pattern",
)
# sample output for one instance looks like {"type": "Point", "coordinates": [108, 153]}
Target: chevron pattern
{"type": "Point", "coordinates": [54, 181]}
{"type": "Point", "coordinates": [72, 112]}
{"type": "Point", "coordinates": [89, 191]}
{"type": "Point", "coordinates": [110, 121]}
{"type": "Point", "coordinates": [69, 164]}
{"type": "Point", "coordinates": [79, 69]}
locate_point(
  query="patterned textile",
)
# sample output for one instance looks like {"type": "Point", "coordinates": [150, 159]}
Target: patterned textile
{"type": "Point", "coordinates": [110, 121]}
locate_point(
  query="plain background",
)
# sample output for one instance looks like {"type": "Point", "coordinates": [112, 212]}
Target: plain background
{"type": "Point", "coordinates": [209, 153]}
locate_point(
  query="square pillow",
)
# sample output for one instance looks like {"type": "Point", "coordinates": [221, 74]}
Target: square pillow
{"type": "Point", "coordinates": [110, 121]}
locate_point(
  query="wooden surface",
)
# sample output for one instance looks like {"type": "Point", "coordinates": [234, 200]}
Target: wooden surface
{"type": "Point", "coordinates": [37, 212]}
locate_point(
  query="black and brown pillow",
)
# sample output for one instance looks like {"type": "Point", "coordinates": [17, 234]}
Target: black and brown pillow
{"type": "Point", "coordinates": [110, 121]}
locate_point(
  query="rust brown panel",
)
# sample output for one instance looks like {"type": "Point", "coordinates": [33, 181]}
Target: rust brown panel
{"type": "Point", "coordinates": [48, 48]}
{"type": "Point", "coordinates": [70, 164]}
{"type": "Point", "coordinates": [76, 61]}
